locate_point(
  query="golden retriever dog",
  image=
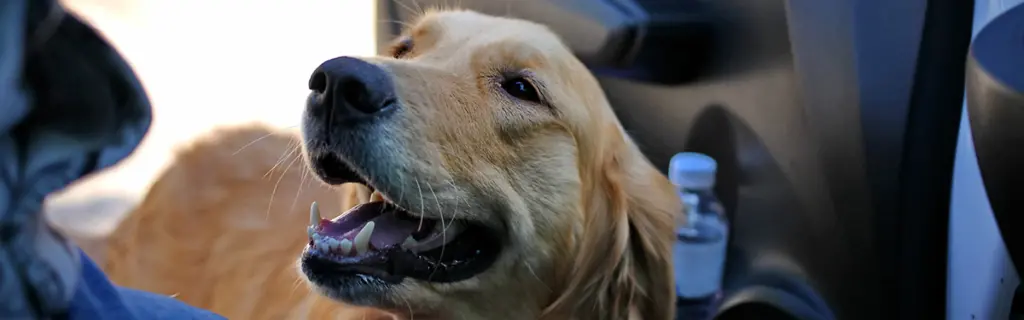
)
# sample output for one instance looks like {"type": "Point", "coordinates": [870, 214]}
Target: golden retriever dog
{"type": "Point", "coordinates": [485, 177]}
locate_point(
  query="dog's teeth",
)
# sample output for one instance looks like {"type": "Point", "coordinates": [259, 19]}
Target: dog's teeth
{"type": "Point", "coordinates": [314, 214]}
{"type": "Point", "coordinates": [362, 239]}
{"type": "Point", "coordinates": [345, 246]}
{"type": "Point", "coordinates": [323, 244]}
{"type": "Point", "coordinates": [376, 196]}
{"type": "Point", "coordinates": [408, 243]}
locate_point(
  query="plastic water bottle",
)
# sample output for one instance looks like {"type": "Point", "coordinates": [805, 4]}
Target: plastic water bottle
{"type": "Point", "coordinates": [700, 248]}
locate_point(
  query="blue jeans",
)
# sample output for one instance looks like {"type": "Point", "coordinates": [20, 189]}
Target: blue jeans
{"type": "Point", "coordinates": [96, 298]}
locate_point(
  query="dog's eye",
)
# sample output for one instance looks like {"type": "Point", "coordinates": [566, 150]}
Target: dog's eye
{"type": "Point", "coordinates": [402, 48]}
{"type": "Point", "coordinates": [521, 89]}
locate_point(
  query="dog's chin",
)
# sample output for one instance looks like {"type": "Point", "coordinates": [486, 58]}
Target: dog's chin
{"type": "Point", "coordinates": [361, 256]}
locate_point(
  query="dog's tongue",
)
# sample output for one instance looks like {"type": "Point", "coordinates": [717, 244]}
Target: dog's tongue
{"type": "Point", "coordinates": [388, 227]}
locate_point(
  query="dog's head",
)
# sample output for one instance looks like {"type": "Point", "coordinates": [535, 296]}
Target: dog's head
{"type": "Point", "coordinates": [504, 186]}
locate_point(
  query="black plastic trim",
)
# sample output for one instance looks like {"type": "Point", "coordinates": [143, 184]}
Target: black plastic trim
{"type": "Point", "coordinates": [926, 172]}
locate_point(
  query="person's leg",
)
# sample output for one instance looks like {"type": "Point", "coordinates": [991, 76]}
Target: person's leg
{"type": "Point", "coordinates": [97, 298]}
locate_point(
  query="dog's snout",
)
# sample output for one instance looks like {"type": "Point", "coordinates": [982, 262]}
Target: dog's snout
{"type": "Point", "coordinates": [352, 88]}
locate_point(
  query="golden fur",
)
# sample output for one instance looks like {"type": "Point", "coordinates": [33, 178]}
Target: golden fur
{"type": "Point", "coordinates": [590, 220]}
{"type": "Point", "coordinates": [213, 232]}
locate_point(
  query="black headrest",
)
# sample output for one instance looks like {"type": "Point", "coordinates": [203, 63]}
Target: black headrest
{"type": "Point", "coordinates": [995, 99]}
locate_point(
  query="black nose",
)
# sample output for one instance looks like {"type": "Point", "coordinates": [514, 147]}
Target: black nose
{"type": "Point", "coordinates": [351, 88]}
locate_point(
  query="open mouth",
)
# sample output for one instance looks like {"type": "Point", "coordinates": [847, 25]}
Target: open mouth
{"type": "Point", "coordinates": [382, 240]}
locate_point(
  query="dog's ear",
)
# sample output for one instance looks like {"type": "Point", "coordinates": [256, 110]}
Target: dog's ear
{"type": "Point", "coordinates": [623, 267]}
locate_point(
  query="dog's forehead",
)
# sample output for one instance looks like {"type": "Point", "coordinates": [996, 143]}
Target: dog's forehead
{"type": "Point", "coordinates": [469, 28]}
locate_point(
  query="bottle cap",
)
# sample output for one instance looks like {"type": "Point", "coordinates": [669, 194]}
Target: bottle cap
{"type": "Point", "coordinates": [692, 170]}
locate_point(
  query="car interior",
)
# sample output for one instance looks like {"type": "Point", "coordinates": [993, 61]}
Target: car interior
{"type": "Point", "coordinates": [835, 125]}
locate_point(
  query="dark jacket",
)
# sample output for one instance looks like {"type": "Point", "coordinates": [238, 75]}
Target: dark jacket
{"type": "Point", "coordinates": [69, 106]}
